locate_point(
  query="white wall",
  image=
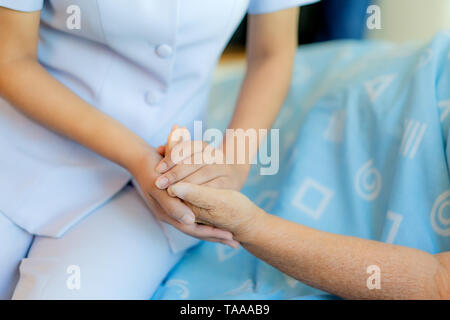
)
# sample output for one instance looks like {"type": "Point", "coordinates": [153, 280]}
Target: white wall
{"type": "Point", "coordinates": [403, 20]}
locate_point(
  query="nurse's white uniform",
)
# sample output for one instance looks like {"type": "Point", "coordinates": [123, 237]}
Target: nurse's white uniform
{"type": "Point", "coordinates": [66, 212]}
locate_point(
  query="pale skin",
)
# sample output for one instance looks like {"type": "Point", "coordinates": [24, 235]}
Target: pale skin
{"type": "Point", "coordinates": [330, 262]}
{"type": "Point", "coordinates": [35, 93]}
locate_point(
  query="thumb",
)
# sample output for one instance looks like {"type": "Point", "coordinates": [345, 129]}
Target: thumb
{"type": "Point", "coordinates": [199, 196]}
{"type": "Point", "coordinates": [176, 135]}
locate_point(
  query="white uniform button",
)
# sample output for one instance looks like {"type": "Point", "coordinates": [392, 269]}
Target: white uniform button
{"type": "Point", "coordinates": [164, 51]}
{"type": "Point", "coordinates": [152, 98]}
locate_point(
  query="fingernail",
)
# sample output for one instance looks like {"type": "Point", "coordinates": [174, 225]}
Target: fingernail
{"type": "Point", "coordinates": [162, 182]}
{"type": "Point", "coordinates": [188, 218]}
{"type": "Point", "coordinates": [162, 166]}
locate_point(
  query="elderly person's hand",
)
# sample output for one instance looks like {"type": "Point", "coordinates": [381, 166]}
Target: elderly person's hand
{"type": "Point", "coordinates": [225, 209]}
{"type": "Point", "coordinates": [197, 162]}
{"type": "Point", "coordinates": [331, 262]}
{"type": "Point", "coordinates": [168, 209]}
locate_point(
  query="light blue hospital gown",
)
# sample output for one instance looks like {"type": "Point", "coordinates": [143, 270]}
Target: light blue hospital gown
{"type": "Point", "coordinates": [364, 152]}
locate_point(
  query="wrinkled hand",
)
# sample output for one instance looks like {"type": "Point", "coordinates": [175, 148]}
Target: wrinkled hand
{"type": "Point", "coordinates": [194, 162]}
{"type": "Point", "coordinates": [169, 209]}
{"type": "Point", "coordinates": [226, 209]}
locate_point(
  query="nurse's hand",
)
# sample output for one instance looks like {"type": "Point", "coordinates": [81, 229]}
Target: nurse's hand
{"type": "Point", "coordinates": [225, 209]}
{"type": "Point", "coordinates": [196, 162]}
{"type": "Point", "coordinates": [172, 210]}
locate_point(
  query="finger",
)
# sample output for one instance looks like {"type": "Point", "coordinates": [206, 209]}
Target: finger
{"type": "Point", "coordinates": [182, 152]}
{"type": "Point", "coordinates": [172, 139]}
{"type": "Point", "coordinates": [199, 196]}
{"type": "Point", "coordinates": [175, 208]}
{"type": "Point", "coordinates": [177, 173]}
{"type": "Point", "coordinates": [231, 243]}
{"type": "Point", "coordinates": [157, 210]}
{"type": "Point", "coordinates": [205, 232]}
{"type": "Point", "coordinates": [176, 135]}
{"type": "Point", "coordinates": [202, 232]}
{"type": "Point", "coordinates": [205, 174]}
{"type": "Point", "coordinates": [195, 230]}
{"type": "Point", "coordinates": [220, 183]}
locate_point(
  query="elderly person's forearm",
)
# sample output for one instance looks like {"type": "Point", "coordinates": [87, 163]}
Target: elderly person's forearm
{"type": "Point", "coordinates": [338, 264]}
{"type": "Point", "coordinates": [333, 263]}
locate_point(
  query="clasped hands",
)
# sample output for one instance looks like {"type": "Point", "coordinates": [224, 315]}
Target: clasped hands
{"type": "Point", "coordinates": [199, 199]}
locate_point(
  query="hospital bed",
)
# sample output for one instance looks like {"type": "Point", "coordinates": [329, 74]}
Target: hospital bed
{"type": "Point", "coordinates": [363, 152]}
